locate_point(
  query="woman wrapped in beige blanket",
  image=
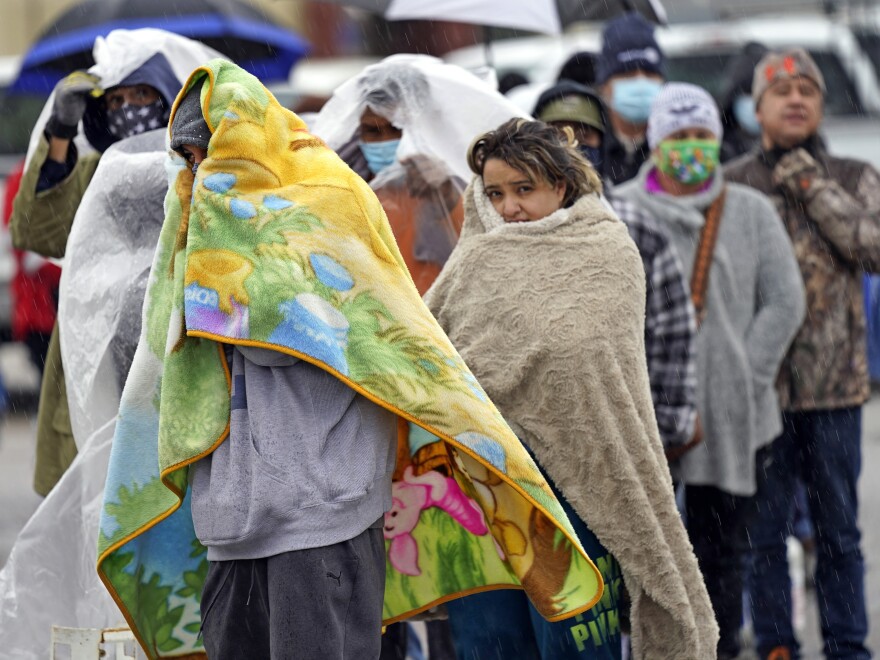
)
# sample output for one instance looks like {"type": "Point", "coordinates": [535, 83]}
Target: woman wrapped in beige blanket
{"type": "Point", "coordinates": [544, 298]}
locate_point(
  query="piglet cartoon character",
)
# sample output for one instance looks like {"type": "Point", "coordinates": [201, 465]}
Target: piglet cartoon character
{"type": "Point", "coordinates": [412, 495]}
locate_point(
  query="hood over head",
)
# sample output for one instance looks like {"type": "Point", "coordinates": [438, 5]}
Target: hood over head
{"type": "Point", "coordinates": [439, 107]}
{"type": "Point", "coordinates": [118, 57]}
{"type": "Point", "coordinates": [738, 74]}
{"type": "Point", "coordinates": [155, 72]}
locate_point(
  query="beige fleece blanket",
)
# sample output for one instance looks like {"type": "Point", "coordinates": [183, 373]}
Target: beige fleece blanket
{"type": "Point", "coordinates": [549, 316]}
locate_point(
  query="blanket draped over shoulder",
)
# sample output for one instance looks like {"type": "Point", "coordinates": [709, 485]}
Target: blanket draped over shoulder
{"type": "Point", "coordinates": [549, 316]}
{"type": "Point", "coordinates": [278, 244]}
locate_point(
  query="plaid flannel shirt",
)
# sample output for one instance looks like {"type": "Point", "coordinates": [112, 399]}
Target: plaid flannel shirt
{"type": "Point", "coordinates": [670, 327]}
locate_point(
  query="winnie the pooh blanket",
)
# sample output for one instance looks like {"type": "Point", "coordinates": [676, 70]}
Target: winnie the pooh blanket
{"type": "Point", "coordinates": [277, 244]}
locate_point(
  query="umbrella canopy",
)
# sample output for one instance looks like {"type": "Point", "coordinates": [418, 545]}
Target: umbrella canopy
{"type": "Point", "coordinates": [547, 16]}
{"type": "Point", "coordinates": [232, 27]}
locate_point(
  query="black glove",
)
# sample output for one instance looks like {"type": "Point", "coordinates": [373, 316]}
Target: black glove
{"type": "Point", "coordinates": [71, 94]}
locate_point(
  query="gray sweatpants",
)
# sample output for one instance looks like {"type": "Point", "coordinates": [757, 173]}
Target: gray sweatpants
{"type": "Point", "coordinates": [317, 604]}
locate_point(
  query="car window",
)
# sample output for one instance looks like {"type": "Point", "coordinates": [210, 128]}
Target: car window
{"type": "Point", "coordinates": [703, 69]}
{"type": "Point", "coordinates": [870, 43]}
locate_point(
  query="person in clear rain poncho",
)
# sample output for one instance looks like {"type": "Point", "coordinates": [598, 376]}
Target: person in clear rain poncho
{"type": "Point", "coordinates": [404, 125]}
{"type": "Point", "coordinates": [127, 92]}
{"type": "Point", "coordinates": [50, 576]}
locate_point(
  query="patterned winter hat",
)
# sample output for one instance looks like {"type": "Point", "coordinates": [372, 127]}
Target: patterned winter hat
{"type": "Point", "coordinates": [682, 105]}
{"type": "Point", "coordinates": [775, 67]}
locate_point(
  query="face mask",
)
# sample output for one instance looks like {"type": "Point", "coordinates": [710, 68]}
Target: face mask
{"type": "Point", "coordinates": [744, 113]}
{"type": "Point", "coordinates": [131, 120]}
{"type": "Point", "coordinates": [195, 168]}
{"type": "Point", "coordinates": [379, 155]}
{"type": "Point", "coordinates": [689, 161]}
{"type": "Point", "coordinates": [631, 98]}
{"type": "Point", "coordinates": [592, 154]}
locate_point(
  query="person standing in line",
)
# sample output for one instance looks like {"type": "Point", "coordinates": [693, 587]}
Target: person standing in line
{"type": "Point", "coordinates": [544, 298]}
{"type": "Point", "coordinates": [630, 72]}
{"type": "Point", "coordinates": [670, 321]}
{"type": "Point", "coordinates": [111, 102]}
{"type": "Point", "coordinates": [748, 296]}
{"type": "Point", "coordinates": [741, 128]}
{"type": "Point", "coordinates": [831, 209]}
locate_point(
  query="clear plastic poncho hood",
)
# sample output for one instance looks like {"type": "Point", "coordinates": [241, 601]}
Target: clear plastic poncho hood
{"type": "Point", "coordinates": [50, 576]}
{"type": "Point", "coordinates": [439, 107]}
{"type": "Point", "coordinates": [121, 53]}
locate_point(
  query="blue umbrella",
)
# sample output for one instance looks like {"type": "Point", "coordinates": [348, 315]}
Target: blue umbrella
{"type": "Point", "coordinates": [232, 27]}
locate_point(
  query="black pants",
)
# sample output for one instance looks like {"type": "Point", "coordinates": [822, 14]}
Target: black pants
{"type": "Point", "coordinates": [316, 604]}
{"type": "Point", "coordinates": [716, 525]}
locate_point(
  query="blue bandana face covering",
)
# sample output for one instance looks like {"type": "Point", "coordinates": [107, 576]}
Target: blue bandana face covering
{"type": "Point", "coordinates": [379, 155]}
{"type": "Point", "coordinates": [131, 120]}
{"type": "Point", "coordinates": [631, 98]}
{"type": "Point", "coordinates": [744, 113]}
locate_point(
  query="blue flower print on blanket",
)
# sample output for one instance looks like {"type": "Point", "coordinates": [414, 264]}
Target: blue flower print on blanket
{"type": "Point", "coordinates": [313, 326]}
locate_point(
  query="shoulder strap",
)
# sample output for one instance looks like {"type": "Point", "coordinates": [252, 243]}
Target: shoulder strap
{"type": "Point", "coordinates": [703, 259]}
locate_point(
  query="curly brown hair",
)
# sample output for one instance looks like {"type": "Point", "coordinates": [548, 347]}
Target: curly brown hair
{"type": "Point", "coordinates": [541, 152]}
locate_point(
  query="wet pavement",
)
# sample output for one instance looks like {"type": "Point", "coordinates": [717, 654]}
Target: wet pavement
{"type": "Point", "coordinates": [18, 502]}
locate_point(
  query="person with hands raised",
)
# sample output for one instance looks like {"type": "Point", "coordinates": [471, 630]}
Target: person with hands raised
{"type": "Point", "coordinates": [129, 91]}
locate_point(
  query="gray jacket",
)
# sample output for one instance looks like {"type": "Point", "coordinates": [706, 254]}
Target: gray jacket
{"type": "Point", "coordinates": [307, 463]}
{"type": "Point", "coordinates": [755, 305]}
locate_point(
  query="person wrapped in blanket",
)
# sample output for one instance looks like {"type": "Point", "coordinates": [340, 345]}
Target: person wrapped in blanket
{"type": "Point", "coordinates": [670, 320]}
{"type": "Point", "coordinates": [404, 125]}
{"type": "Point", "coordinates": [262, 550]}
{"type": "Point", "coordinates": [544, 297]}
{"type": "Point", "coordinates": [127, 92]}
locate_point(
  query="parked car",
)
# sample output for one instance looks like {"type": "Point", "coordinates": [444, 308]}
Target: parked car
{"type": "Point", "coordinates": [699, 52]}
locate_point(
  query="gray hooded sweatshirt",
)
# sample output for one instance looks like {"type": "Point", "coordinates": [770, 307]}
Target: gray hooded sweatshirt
{"type": "Point", "coordinates": [754, 307]}
{"type": "Point", "coordinates": [307, 463]}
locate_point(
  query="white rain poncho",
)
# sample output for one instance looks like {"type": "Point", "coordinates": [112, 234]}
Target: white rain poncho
{"type": "Point", "coordinates": [121, 53]}
{"type": "Point", "coordinates": [50, 576]}
{"type": "Point", "coordinates": [440, 108]}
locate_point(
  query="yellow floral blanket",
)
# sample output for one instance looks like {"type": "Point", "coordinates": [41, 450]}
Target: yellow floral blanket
{"type": "Point", "coordinates": [278, 244]}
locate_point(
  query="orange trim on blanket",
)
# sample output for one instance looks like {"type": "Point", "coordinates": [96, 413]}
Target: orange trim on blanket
{"type": "Point", "coordinates": [390, 407]}
{"type": "Point", "coordinates": [220, 340]}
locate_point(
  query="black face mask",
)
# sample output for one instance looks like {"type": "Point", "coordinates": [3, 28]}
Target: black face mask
{"type": "Point", "coordinates": [594, 155]}
{"type": "Point", "coordinates": [131, 120]}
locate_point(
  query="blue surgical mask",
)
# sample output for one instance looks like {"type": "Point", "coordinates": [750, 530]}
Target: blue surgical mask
{"type": "Point", "coordinates": [631, 98]}
{"type": "Point", "coordinates": [744, 113]}
{"type": "Point", "coordinates": [195, 168]}
{"type": "Point", "coordinates": [379, 155]}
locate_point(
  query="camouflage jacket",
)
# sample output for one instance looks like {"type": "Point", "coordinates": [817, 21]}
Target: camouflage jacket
{"type": "Point", "coordinates": [831, 209]}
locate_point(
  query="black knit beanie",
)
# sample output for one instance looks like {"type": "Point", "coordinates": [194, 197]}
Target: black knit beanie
{"type": "Point", "coordinates": [189, 125]}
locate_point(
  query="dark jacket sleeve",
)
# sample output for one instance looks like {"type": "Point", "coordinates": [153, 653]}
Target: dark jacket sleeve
{"type": "Point", "coordinates": [850, 222]}
{"type": "Point", "coordinates": [41, 221]}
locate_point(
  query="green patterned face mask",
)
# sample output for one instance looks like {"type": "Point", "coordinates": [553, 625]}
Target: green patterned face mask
{"type": "Point", "coordinates": [689, 161]}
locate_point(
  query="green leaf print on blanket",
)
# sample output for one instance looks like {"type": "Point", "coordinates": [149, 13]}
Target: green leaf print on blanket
{"type": "Point", "coordinates": [147, 595]}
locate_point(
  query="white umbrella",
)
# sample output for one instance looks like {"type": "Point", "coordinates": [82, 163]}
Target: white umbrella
{"type": "Point", "coordinates": [547, 16]}
{"type": "Point", "coordinates": [531, 15]}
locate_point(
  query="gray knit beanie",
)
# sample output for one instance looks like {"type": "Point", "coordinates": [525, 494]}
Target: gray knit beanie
{"type": "Point", "coordinates": [679, 106]}
{"type": "Point", "coordinates": [189, 125]}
